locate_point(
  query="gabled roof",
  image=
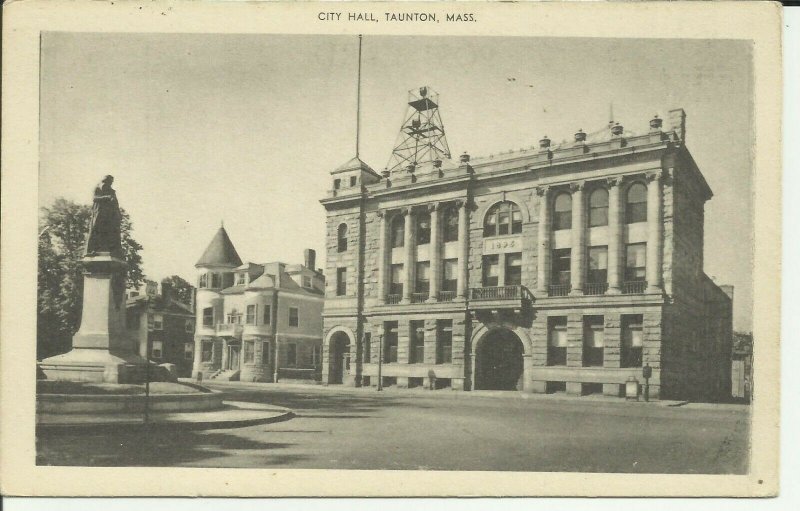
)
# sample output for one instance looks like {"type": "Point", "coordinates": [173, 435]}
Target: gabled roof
{"type": "Point", "coordinates": [157, 303]}
{"type": "Point", "coordinates": [220, 252]}
{"type": "Point", "coordinates": [355, 164]}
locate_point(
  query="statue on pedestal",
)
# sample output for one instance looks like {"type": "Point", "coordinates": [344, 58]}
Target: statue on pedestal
{"type": "Point", "coordinates": [104, 228]}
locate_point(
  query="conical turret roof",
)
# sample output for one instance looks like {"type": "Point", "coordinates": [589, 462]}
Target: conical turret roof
{"type": "Point", "coordinates": [220, 252]}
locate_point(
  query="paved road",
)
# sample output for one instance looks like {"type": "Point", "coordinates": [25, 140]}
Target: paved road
{"type": "Point", "coordinates": [364, 429]}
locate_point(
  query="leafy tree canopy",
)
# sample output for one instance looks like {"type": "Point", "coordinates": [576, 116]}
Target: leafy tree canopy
{"type": "Point", "coordinates": [182, 290]}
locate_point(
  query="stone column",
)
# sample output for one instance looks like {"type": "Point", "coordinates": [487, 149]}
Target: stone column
{"type": "Point", "coordinates": [408, 247]}
{"type": "Point", "coordinates": [543, 247]}
{"type": "Point", "coordinates": [463, 250]}
{"type": "Point", "coordinates": [654, 232]}
{"type": "Point", "coordinates": [383, 257]}
{"type": "Point", "coordinates": [578, 253]}
{"type": "Point", "coordinates": [615, 244]}
{"type": "Point", "coordinates": [435, 249]}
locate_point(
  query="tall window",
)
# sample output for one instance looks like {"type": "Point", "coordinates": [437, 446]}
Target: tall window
{"type": "Point", "coordinates": [423, 283]}
{"type": "Point", "coordinates": [417, 349]}
{"type": "Point", "coordinates": [444, 341]}
{"type": "Point", "coordinates": [450, 218]}
{"type": "Point", "coordinates": [155, 321]}
{"type": "Point", "coordinates": [390, 341]}
{"type": "Point", "coordinates": [157, 350]}
{"type": "Point", "coordinates": [294, 316]}
{"type": "Point", "coordinates": [562, 212]}
{"type": "Point", "coordinates": [250, 317]}
{"type": "Point", "coordinates": [188, 326]}
{"type": "Point", "coordinates": [216, 280]}
{"type": "Point", "coordinates": [503, 218]}
{"type": "Point", "coordinates": [632, 340]}
{"type": "Point", "coordinates": [593, 340]}
{"type": "Point", "coordinates": [306, 281]}
{"type": "Point", "coordinates": [636, 204]}
{"type": "Point", "coordinates": [561, 266]}
{"type": "Point", "coordinates": [291, 354]}
{"type": "Point", "coordinates": [398, 228]}
{"type": "Point", "coordinates": [635, 262]}
{"type": "Point", "coordinates": [341, 281]}
{"type": "Point", "coordinates": [450, 275]}
{"type": "Point", "coordinates": [337, 183]}
{"type": "Point", "coordinates": [265, 353]}
{"type": "Point", "coordinates": [249, 351]}
{"type": "Point", "coordinates": [341, 237]}
{"type": "Point", "coordinates": [367, 347]}
{"type": "Point", "coordinates": [207, 351]}
{"type": "Point", "coordinates": [188, 351]}
{"type": "Point", "coordinates": [227, 279]}
{"type": "Point", "coordinates": [513, 269]}
{"type": "Point", "coordinates": [491, 270]}
{"type": "Point", "coordinates": [267, 314]}
{"type": "Point", "coordinates": [598, 265]}
{"type": "Point", "coordinates": [316, 356]}
{"type": "Point", "coordinates": [396, 288]}
{"type": "Point", "coordinates": [423, 229]}
{"type": "Point", "coordinates": [598, 208]}
{"type": "Point", "coordinates": [203, 281]}
{"type": "Point", "coordinates": [353, 180]}
{"type": "Point", "coordinates": [557, 341]}
{"type": "Point", "coordinates": [208, 316]}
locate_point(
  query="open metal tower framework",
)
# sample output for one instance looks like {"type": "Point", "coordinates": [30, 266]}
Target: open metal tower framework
{"type": "Point", "coordinates": [422, 137]}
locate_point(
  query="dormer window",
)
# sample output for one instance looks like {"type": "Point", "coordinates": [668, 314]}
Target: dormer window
{"type": "Point", "coordinates": [240, 279]}
{"type": "Point", "coordinates": [337, 183]}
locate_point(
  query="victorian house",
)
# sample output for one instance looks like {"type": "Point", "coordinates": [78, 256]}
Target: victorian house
{"type": "Point", "coordinates": [257, 322]}
{"type": "Point", "coordinates": [560, 268]}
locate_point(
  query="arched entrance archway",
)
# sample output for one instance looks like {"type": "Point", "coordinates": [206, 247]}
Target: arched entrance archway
{"type": "Point", "coordinates": [499, 361]}
{"type": "Point", "coordinates": [340, 356]}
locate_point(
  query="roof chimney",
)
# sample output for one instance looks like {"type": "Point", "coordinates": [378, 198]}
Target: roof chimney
{"type": "Point", "coordinates": [580, 136]}
{"type": "Point", "coordinates": [617, 129]}
{"type": "Point", "coordinates": [166, 290]}
{"type": "Point", "coordinates": [310, 257]}
{"type": "Point", "coordinates": [544, 143]}
{"type": "Point", "coordinates": [655, 123]}
{"type": "Point", "coordinates": [464, 158]}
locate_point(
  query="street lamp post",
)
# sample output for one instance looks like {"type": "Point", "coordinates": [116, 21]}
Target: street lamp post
{"type": "Point", "coordinates": [147, 380]}
{"type": "Point", "coordinates": [380, 361]}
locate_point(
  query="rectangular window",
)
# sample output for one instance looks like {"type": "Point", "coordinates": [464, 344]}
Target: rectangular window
{"type": "Point", "coordinates": [227, 280]}
{"type": "Point", "coordinates": [249, 352]}
{"type": "Point", "coordinates": [557, 341]}
{"type": "Point", "coordinates": [240, 279]}
{"type": "Point", "coordinates": [216, 280]}
{"type": "Point", "coordinates": [294, 316]}
{"type": "Point", "coordinates": [397, 280]}
{"type": "Point", "coordinates": [188, 326]}
{"type": "Point", "coordinates": [513, 269]}
{"type": "Point", "coordinates": [561, 266]}
{"type": "Point", "coordinates": [450, 275]}
{"type": "Point", "coordinates": [156, 351]}
{"type": "Point", "coordinates": [423, 283]}
{"type": "Point", "coordinates": [208, 351]}
{"type": "Point", "coordinates": [306, 281]}
{"type": "Point", "coordinates": [267, 314]}
{"type": "Point", "coordinates": [562, 220]}
{"type": "Point", "coordinates": [316, 356]}
{"type": "Point", "coordinates": [203, 281]}
{"type": "Point", "coordinates": [341, 281]}
{"type": "Point", "coordinates": [353, 180]}
{"type": "Point", "coordinates": [188, 351]}
{"type": "Point", "coordinates": [234, 317]}
{"type": "Point", "coordinates": [632, 340]}
{"type": "Point", "coordinates": [450, 225]}
{"type": "Point", "coordinates": [516, 221]}
{"type": "Point", "coordinates": [416, 353]}
{"type": "Point", "coordinates": [155, 321]}
{"type": "Point", "coordinates": [444, 341]}
{"type": "Point", "coordinates": [250, 319]}
{"type": "Point", "coordinates": [593, 340]}
{"type": "Point", "coordinates": [490, 226]}
{"type": "Point", "coordinates": [491, 271]}
{"type": "Point", "coordinates": [424, 230]}
{"type": "Point", "coordinates": [390, 342]}
{"type": "Point", "coordinates": [291, 354]}
{"type": "Point", "coordinates": [635, 262]}
{"type": "Point", "coordinates": [598, 265]}
{"type": "Point", "coordinates": [266, 353]}
{"type": "Point", "coordinates": [337, 183]}
{"type": "Point", "coordinates": [208, 316]}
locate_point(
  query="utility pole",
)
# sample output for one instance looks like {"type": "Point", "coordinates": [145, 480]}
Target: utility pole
{"type": "Point", "coordinates": [380, 361]}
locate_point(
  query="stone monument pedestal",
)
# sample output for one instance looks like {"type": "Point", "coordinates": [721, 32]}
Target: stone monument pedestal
{"type": "Point", "coordinates": [101, 349]}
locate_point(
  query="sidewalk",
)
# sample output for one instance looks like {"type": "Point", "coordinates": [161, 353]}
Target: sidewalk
{"type": "Point", "coordinates": [233, 415]}
{"type": "Point", "coordinates": [473, 394]}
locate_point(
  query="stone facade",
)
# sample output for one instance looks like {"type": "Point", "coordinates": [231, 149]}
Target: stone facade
{"type": "Point", "coordinates": [587, 256]}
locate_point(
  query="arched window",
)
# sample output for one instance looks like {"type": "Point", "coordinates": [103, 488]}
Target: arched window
{"type": "Point", "coordinates": [450, 218]}
{"type": "Point", "coordinates": [562, 212]}
{"type": "Point", "coordinates": [598, 208]}
{"type": "Point", "coordinates": [341, 236]}
{"type": "Point", "coordinates": [636, 204]}
{"type": "Point", "coordinates": [423, 228]}
{"type": "Point", "coordinates": [503, 218]}
{"type": "Point", "coordinates": [398, 226]}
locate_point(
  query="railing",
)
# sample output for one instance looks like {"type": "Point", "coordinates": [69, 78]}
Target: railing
{"type": "Point", "coordinates": [496, 293]}
{"type": "Point", "coordinates": [634, 287]}
{"type": "Point", "coordinates": [559, 290]}
{"type": "Point", "coordinates": [595, 288]}
{"type": "Point", "coordinates": [393, 299]}
{"type": "Point", "coordinates": [419, 297]}
{"type": "Point", "coordinates": [229, 329]}
{"type": "Point", "coordinates": [447, 296]}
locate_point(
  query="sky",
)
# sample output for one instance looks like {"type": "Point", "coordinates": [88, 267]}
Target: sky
{"type": "Point", "coordinates": [200, 129]}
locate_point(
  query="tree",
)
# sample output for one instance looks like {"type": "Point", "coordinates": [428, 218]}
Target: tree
{"type": "Point", "coordinates": [182, 290]}
{"type": "Point", "coordinates": [63, 229]}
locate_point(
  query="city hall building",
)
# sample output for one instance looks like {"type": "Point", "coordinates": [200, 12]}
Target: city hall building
{"type": "Point", "coordinates": [564, 268]}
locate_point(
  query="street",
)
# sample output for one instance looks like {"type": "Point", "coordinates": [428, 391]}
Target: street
{"type": "Point", "coordinates": [419, 430]}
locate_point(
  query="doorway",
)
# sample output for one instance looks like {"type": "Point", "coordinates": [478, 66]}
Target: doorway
{"type": "Point", "coordinates": [233, 358]}
{"type": "Point", "coordinates": [340, 356]}
{"type": "Point", "coordinates": [498, 361]}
